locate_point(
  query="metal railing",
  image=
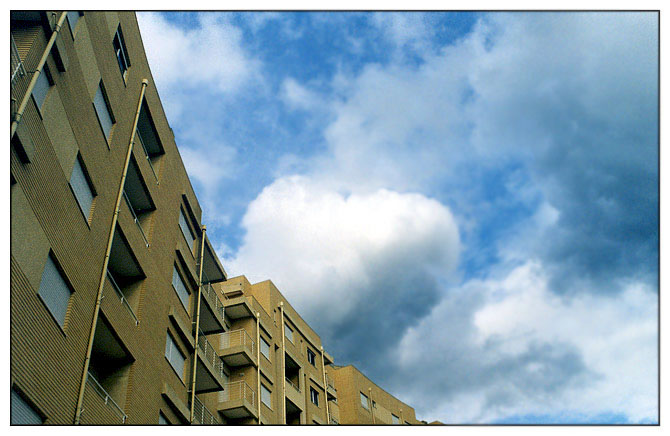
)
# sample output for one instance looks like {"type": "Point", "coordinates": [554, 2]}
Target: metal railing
{"type": "Point", "coordinates": [330, 383]}
{"type": "Point", "coordinates": [297, 388]}
{"type": "Point", "coordinates": [236, 338]}
{"type": "Point", "coordinates": [238, 390]}
{"type": "Point", "coordinates": [213, 299]}
{"type": "Point", "coordinates": [137, 220]}
{"type": "Point", "coordinates": [146, 154]}
{"type": "Point", "coordinates": [16, 67]}
{"type": "Point", "coordinates": [97, 387]}
{"type": "Point", "coordinates": [333, 421]}
{"type": "Point", "coordinates": [202, 415]}
{"type": "Point", "coordinates": [209, 355]}
{"type": "Point", "coordinates": [123, 298]}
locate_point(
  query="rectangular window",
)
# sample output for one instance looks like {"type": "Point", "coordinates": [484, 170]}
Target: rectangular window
{"type": "Point", "coordinates": [81, 187]}
{"type": "Point", "coordinates": [120, 50]}
{"type": "Point", "coordinates": [288, 332]}
{"type": "Point", "coordinates": [72, 18]}
{"type": "Point", "coordinates": [185, 229]}
{"type": "Point", "coordinates": [55, 291]}
{"type": "Point", "coordinates": [180, 287]}
{"type": "Point", "coordinates": [265, 348]}
{"type": "Point", "coordinates": [42, 86]}
{"type": "Point", "coordinates": [102, 109]}
{"type": "Point", "coordinates": [314, 396]}
{"type": "Point", "coordinates": [311, 357]}
{"type": "Point", "coordinates": [266, 396]}
{"type": "Point", "coordinates": [364, 401]}
{"type": "Point", "coordinates": [395, 419]}
{"type": "Point", "coordinates": [22, 412]}
{"type": "Point", "coordinates": [174, 356]}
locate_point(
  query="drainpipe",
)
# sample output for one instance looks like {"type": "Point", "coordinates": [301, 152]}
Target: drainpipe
{"type": "Point", "coordinates": [325, 385]}
{"type": "Point", "coordinates": [203, 228]}
{"type": "Point", "coordinates": [258, 364]}
{"type": "Point", "coordinates": [283, 362]}
{"type": "Point", "coordinates": [401, 419]}
{"type": "Point", "coordinates": [372, 407]}
{"type": "Point", "coordinates": [36, 74]}
{"type": "Point", "coordinates": [105, 263]}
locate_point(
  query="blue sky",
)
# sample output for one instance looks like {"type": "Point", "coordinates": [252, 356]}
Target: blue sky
{"type": "Point", "coordinates": [465, 200]}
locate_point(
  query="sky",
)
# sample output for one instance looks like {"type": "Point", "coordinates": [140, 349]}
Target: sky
{"type": "Point", "coordinates": [462, 205]}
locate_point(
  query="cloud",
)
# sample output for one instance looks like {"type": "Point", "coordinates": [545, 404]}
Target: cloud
{"type": "Point", "coordinates": [296, 96]}
{"type": "Point", "coordinates": [176, 54]}
{"type": "Point", "coordinates": [364, 266]}
{"type": "Point", "coordinates": [508, 346]}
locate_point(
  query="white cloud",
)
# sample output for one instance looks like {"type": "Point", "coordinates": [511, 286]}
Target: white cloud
{"type": "Point", "coordinates": [297, 96]}
{"type": "Point", "coordinates": [615, 336]}
{"type": "Point", "coordinates": [324, 249]}
{"type": "Point", "coordinates": [210, 55]}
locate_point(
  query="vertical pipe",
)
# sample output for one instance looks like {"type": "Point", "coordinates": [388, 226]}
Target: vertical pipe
{"type": "Point", "coordinates": [401, 419]}
{"type": "Point", "coordinates": [283, 362]}
{"type": "Point", "coordinates": [33, 81]}
{"type": "Point", "coordinates": [105, 263]}
{"type": "Point", "coordinates": [258, 364]}
{"type": "Point", "coordinates": [325, 384]}
{"type": "Point", "coordinates": [203, 229]}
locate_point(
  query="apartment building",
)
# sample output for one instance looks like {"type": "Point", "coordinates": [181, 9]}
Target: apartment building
{"type": "Point", "coordinates": [361, 401]}
{"type": "Point", "coordinates": [108, 250]}
{"type": "Point", "coordinates": [275, 363]}
{"type": "Point", "coordinates": [121, 312]}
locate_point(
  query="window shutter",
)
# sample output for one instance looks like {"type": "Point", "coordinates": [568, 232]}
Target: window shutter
{"type": "Point", "coordinates": [179, 286]}
{"type": "Point", "coordinates": [103, 111]}
{"type": "Point", "coordinates": [22, 413]}
{"type": "Point", "coordinates": [54, 291]}
{"type": "Point", "coordinates": [81, 188]}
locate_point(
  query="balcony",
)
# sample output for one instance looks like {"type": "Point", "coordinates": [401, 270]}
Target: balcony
{"type": "Point", "coordinates": [122, 297]}
{"type": "Point", "coordinates": [212, 318]}
{"type": "Point", "coordinates": [136, 219]}
{"type": "Point", "coordinates": [202, 415]}
{"type": "Point", "coordinates": [238, 400]}
{"type": "Point", "coordinates": [330, 389]}
{"type": "Point", "coordinates": [138, 199]}
{"type": "Point", "coordinates": [99, 407]}
{"type": "Point", "coordinates": [236, 348]}
{"type": "Point", "coordinates": [147, 138]}
{"type": "Point", "coordinates": [238, 307]}
{"type": "Point", "coordinates": [210, 372]}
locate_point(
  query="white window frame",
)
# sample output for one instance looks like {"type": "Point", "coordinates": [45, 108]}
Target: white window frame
{"type": "Point", "coordinates": [365, 401]}
{"type": "Point", "coordinates": [311, 357]}
{"type": "Point", "coordinates": [123, 51]}
{"type": "Point", "coordinates": [264, 342]}
{"type": "Point", "coordinates": [170, 347]}
{"type": "Point", "coordinates": [288, 329]}
{"type": "Point", "coordinates": [265, 391]}
{"type": "Point", "coordinates": [314, 396]}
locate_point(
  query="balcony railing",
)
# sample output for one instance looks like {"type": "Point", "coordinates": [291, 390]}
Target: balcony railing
{"type": "Point", "coordinates": [202, 415]}
{"type": "Point", "coordinates": [109, 401]}
{"type": "Point", "coordinates": [237, 338]}
{"type": "Point", "coordinates": [297, 388]}
{"type": "Point", "coordinates": [213, 299]}
{"type": "Point", "coordinates": [16, 67]}
{"type": "Point", "coordinates": [146, 154]}
{"type": "Point", "coordinates": [209, 355]}
{"type": "Point", "coordinates": [123, 298]}
{"type": "Point", "coordinates": [137, 220]}
{"type": "Point", "coordinates": [333, 421]}
{"type": "Point", "coordinates": [238, 390]}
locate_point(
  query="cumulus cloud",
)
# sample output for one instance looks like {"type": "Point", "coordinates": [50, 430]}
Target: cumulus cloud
{"type": "Point", "coordinates": [509, 346]}
{"type": "Point", "coordinates": [359, 267]}
{"type": "Point", "coordinates": [297, 96]}
{"type": "Point", "coordinates": [176, 54]}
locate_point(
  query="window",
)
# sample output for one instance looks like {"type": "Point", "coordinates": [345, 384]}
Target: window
{"type": "Point", "coordinates": [174, 356]}
{"type": "Point", "coordinates": [265, 348]}
{"type": "Point", "coordinates": [55, 291]}
{"type": "Point", "coordinates": [22, 412]}
{"type": "Point", "coordinates": [180, 287]}
{"type": "Point", "coordinates": [42, 86]}
{"type": "Point", "coordinates": [185, 229]}
{"type": "Point", "coordinates": [374, 404]}
{"type": "Point", "coordinates": [81, 187]}
{"type": "Point", "coordinates": [311, 357]}
{"type": "Point", "coordinates": [162, 420]}
{"type": "Point", "coordinates": [364, 401]}
{"type": "Point", "coordinates": [314, 396]}
{"type": "Point", "coordinates": [102, 109]}
{"type": "Point", "coordinates": [395, 419]}
{"type": "Point", "coordinates": [266, 396]}
{"type": "Point", "coordinates": [72, 18]}
{"type": "Point", "coordinates": [121, 52]}
{"type": "Point", "coordinates": [288, 332]}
